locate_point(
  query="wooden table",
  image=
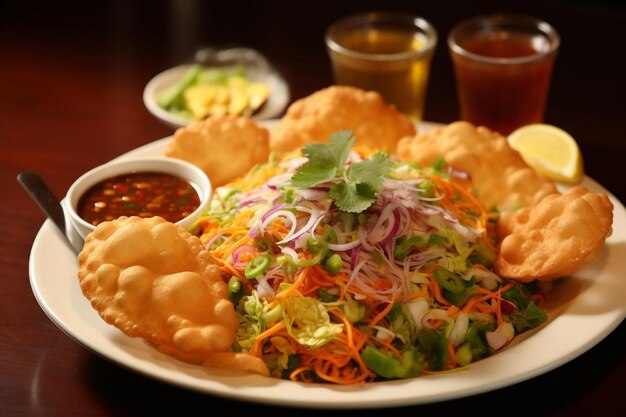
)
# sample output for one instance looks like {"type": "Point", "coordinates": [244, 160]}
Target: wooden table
{"type": "Point", "coordinates": [71, 79]}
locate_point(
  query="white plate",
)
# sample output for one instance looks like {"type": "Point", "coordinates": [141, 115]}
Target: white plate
{"type": "Point", "coordinates": [588, 306]}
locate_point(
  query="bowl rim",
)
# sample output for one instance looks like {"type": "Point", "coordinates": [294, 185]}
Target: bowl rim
{"type": "Point", "coordinates": [184, 169]}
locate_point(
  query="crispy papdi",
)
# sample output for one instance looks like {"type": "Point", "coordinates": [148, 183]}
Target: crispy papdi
{"type": "Point", "coordinates": [556, 237]}
{"type": "Point", "coordinates": [498, 173]}
{"type": "Point", "coordinates": [224, 147]}
{"type": "Point", "coordinates": [314, 118]}
{"type": "Point", "coordinates": [154, 280]}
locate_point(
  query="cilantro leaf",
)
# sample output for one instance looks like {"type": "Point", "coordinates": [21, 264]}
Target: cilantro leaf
{"type": "Point", "coordinates": [326, 160]}
{"type": "Point", "coordinates": [371, 171]}
{"type": "Point", "coordinates": [311, 174]}
{"type": "Point", "coordinates": [352, 197]}
{"type": "Point", "coordinates": [355, 189]}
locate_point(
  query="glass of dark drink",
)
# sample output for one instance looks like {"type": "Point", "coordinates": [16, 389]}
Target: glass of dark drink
{"type": "Point", "coordinates": [503, 66]}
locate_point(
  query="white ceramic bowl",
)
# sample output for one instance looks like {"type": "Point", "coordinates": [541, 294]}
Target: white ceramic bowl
{"type": "Point", "coordinates": [275, 105]}
{"type": "Point", "coordinates": [183, 169]}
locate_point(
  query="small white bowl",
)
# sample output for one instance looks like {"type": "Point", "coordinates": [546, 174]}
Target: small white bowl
{"type": "Point", "coordinates": [275, 105]}
{"type": "Point", "coordinates": [183, 169]}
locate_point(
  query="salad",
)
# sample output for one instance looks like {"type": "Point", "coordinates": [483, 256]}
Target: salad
{"type": "Point", "coordinates": [347, 266]}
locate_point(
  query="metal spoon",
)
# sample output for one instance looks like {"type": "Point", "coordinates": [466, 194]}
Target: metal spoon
{"type": "Point", "coordinates": [46, 200]}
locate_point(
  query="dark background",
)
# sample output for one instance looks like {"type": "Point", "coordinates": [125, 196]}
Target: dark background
{"type": "Point", "coordinates": [71, 78]}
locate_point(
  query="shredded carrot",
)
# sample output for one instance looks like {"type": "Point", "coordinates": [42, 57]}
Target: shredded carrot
{"type": "Point", "coordinates": [381, 315]}
{"type": "Point", "coordinates": [436, 290]}
{"type": "Point", "coordinates": [450, 189]}
{"type": "Point", "coordinates": [258, 341]}
{"type": "Point", "coordinates": [490, 294]}
{"type": "Point", "coordinates": [452, 362]}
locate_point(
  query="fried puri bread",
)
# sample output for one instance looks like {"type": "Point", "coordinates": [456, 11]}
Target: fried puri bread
{"type": "Point", "coordinates": [154, 280]}
{"type": "Point", "coordinates": [312, 119]}
{"type": "Point", "coordinates": [224, 147]}
{"type": "Point", "coordinates": [498, 173]}
{"type": "Point", "coordinates": [556, 237]}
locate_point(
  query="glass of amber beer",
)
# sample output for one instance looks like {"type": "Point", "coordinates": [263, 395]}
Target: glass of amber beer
{"type": "Point", "coordinates": [389, 52]}
{"type": "Point", "coordinates": [503, 65]}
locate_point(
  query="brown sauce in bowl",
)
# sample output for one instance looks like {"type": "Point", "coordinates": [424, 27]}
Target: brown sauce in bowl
{"type": "Point", "coordinates": [143, 194]}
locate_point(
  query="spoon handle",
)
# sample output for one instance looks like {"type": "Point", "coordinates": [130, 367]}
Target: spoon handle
{"type": "Point", "coordinates": [45, 199]}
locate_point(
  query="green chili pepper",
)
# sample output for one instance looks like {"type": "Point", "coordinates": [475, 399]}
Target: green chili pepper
{"type": "Point", "coordinates": [404, 247]}
{"type": "Point", "coordinates": [387, 366]}
{"type": "Point", "coordinates": [449, 280]}
{"type": "Point", "coordinates": [428, 188]}
{"type": "Point", "coordinates": [325, 296]}
{"type": "Point", "coordinates": [347, 220]}
{"type": "Point", "coordinates": [293, 363]}
{"type": "Point", "coordinates": [333, 264]}
{"type": "Point", "coordinates": [330, 235]}
{"type": "Point", "coordinates": [475, 338]}
{"type": "Point", "coordinates": [315, 246]}
{"type": "Point", "coordinates": [264, 243]}
{"type": "Point", "coordinates": [459, 299]}
{"type": "Point", "coordinates": [235, 290]}
{"type": "Point", "coordinates": [319, 248]}
{"type": "Point", "coordinates": [257, 266]}
{"type": "Point", "coordinates": [464, 354]}
{"type": "Point", "coordinates": [436, 348]}
{"type": "Point", "coordinates": [354, 311]}
{"type": "Point", "coordinates": [437, 239]}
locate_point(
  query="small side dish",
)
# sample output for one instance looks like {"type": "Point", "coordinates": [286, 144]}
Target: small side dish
{"type": "Point", "coordinates": [143, 194]}
{"type": "Point", "coordinates": [171, 188]}
{"type": "Point", "coordinates": [185, 94]}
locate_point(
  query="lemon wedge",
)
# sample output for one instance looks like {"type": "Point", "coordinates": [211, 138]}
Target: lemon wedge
{"type": "Point", "coordinates": [549, 150]}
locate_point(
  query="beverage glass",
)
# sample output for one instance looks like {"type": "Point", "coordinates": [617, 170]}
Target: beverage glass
{"type": "Point", "coordinates": [389, 52]}
{"type": "Point", "coordinates": [503, 65]}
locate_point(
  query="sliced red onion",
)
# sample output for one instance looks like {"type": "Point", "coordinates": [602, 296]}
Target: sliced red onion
{"type": "Point", "coordinates": [278, 180]}
{"type": "Point", "coordinates": [461, 324]}
{"type": "Point", "coordinates": [363, 238]}
{"type": "Point", "coordinates": [433, 315]}
{"type": "Point", "coordinates": [429, 210]}
{"type": "Point", "coordinates": [299, 242]}
{"type": "Point", "coordinates": [239, 250]}
{"type": "Point", "coordinates": [485, 278]}
{"type": "Point", "coordinates": [263, 288]}
{"type": "Point", "coordinates": [378, 233]}
{"type": "Point", "coordinates": [418, 307]}
{"type": "Point", "coordinates": [384, 334]}
{"type": "Point", "coordinates": [507, 308]}
{"type": "Point", "coordinates": [354, 257]}
{"type": "Point", "coordinates": [316, 215]}
{"type": "Point", "coordinates": [500, 337]}
{"type": "Point", "coordinates": [355, 272]}
{"type": "Point", "coordinates": [424, 198]}
{"type": "Point", "coordinates": [393, 230]}
{"type": "Point", "coordinates": [289, 252]}
{"type": "Point", "coordinates": [255, 231]}
{"type": "Point", "coordinates": [282, 213]}
{"type": "Point", "coordinates": [311, 194]}
{"type": "Point", "coordinates": [295, 163]}
{"type": "Point", "coordinates": [273, 210]}
{"type": "Point", "coordinates": [343, 247]}
{"type": "Point", "coordinates": [210, 242]}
